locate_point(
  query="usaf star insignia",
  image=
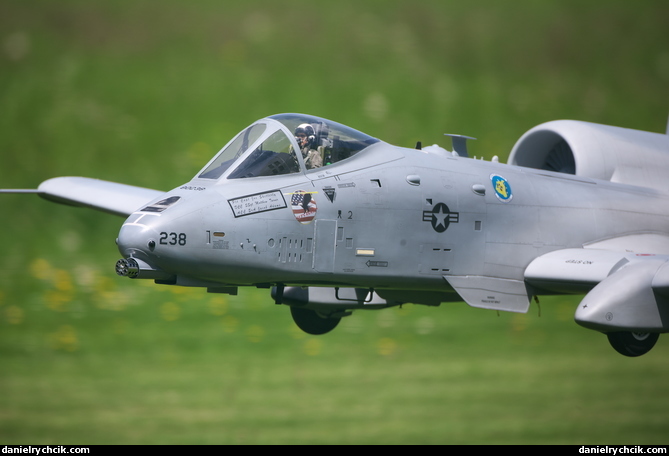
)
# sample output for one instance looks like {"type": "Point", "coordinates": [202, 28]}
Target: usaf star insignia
{"type": "Point", "coordinates": [440, 217]}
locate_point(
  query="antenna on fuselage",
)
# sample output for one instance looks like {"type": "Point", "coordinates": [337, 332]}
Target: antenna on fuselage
{"type": "Point", "coordinates": [459, 144]}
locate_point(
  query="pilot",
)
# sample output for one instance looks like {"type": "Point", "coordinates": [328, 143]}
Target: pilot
{"type": "Point", "coordinates": [306, 139]}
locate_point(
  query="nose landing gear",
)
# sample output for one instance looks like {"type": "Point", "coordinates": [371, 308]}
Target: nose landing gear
{"type": "Point", "coordinates": [313, 322]}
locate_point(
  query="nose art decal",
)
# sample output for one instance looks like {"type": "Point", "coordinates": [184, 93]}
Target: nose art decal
{"type": "Point", "coordinates": [304, 206]}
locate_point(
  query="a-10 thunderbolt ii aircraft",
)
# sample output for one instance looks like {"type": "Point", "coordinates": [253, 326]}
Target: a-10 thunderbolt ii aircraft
{"type": "Point", "coordinates": [334, 220]}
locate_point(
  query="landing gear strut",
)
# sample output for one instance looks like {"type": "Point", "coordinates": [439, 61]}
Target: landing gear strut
{"type": "Point", "coordinates": [312, 322]}
{"type": "Point", "coordinates": [632, 343]}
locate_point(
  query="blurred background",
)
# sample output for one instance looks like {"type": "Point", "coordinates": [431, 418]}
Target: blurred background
{"type": "Point", "coordinates": [144, 92]}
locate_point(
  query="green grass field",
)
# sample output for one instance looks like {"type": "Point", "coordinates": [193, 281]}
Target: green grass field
{"type": "Point", "coordinates": [145, 92]}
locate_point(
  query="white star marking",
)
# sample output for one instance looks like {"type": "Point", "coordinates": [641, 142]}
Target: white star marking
{"type": "Point", "coordinates": [440, 218]}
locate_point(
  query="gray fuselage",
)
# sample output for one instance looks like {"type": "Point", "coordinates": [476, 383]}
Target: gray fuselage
{"type": "Point", "coordinates": [391, 218]}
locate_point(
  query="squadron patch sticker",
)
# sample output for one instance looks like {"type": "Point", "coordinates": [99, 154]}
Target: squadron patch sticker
{"type": "Point", "coordinates": [501, 187]}
{"type": "Point", "coordinates": [303, 205]}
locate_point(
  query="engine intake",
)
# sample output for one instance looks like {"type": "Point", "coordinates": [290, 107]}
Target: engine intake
{"type": "Point", "coordinates": [596, 151]}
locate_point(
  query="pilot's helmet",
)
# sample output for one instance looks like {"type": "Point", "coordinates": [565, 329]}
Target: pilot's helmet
{"type": "Point", "coordinates": [305, 135]}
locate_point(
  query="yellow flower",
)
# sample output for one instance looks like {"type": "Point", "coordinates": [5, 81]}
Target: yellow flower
{"type": "Point", "coordinates": [14, 315]}
{"type": "Point", "coordinates": [64, 338]}
{"type": "Point", "coordinates": [255, 333]}
{"type": "Point", "coordinates": [170, 311]}
{"type": "Point", "coordinates": [386, 346]}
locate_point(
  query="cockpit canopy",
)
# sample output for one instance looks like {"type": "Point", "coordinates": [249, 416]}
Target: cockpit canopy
{"type": "Point", "coordinates": [269, 147]}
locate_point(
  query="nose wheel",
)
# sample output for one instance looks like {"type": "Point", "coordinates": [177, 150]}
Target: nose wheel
{"type": "Point", "coordinates": [632, 343]}
{"type": "Point", "coordinates": [312, 322]}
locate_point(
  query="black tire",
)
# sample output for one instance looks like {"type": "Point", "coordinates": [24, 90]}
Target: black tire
{"type": "Point", "coordinates": [632, 343]}
{"type": "Point", "coordinates": [311, 322]}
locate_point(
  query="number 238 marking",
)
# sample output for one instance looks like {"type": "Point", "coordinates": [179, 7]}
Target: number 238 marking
{"type": "Point", "coordinates": [172, 238]}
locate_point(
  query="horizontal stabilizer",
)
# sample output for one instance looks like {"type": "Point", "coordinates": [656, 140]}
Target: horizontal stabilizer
{"type": "Point", "coordinates": [111, 197]}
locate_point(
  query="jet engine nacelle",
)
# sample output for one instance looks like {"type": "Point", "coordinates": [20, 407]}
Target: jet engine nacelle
{"type": "Point", "coordinates": [633, 299]}
{"type": "Point", "coordinates": [596, 151]}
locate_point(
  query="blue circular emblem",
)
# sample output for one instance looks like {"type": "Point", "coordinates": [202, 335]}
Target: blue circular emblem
{"type": "Point", "coordinates": [501, 187]}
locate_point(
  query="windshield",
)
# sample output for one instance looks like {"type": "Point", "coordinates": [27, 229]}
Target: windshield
{"type": "Point", "coordinates": [233, 151]}
{"type": "Point", "coordinates": [268, 147]}
{"type": "Point", "coordinates": [273, 156]}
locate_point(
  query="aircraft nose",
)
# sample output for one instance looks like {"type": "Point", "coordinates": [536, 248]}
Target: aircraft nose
{"type": "Point", "coordinates": [135, 240]}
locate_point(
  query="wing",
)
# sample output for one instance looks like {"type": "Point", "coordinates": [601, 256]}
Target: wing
{"type": "Point", "coordinates": [111, 197]}
{"type": "Point", "coordinates": [626, 291]}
